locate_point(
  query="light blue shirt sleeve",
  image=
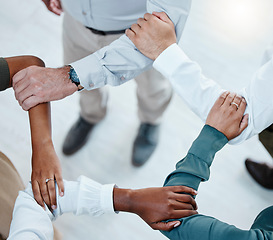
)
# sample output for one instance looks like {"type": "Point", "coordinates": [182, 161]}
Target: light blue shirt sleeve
{"type": "Point", "coordinates": [121, 61]}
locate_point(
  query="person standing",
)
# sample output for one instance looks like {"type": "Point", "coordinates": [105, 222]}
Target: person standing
{"type": "Point", "coordinates": [262, 173]}
{"type": "Point", "coordinates": [88, 26]}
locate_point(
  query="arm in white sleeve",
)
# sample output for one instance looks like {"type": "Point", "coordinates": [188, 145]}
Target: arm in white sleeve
{"type": "Point", "coordinates": [200, 92]}
{"type": "Point", "coordinates": [121, 61]}
{"type": "Point", "coordinates": [84, 196]}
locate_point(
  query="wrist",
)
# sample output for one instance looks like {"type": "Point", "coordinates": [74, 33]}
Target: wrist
{"type": "Point", "coordinates": [123, 200]}
{"type": "Point", "coordinates": [42, 143]}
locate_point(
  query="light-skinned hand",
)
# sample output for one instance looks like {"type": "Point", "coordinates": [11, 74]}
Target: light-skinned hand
{"type": "Point", "coordinates": [152, 34]}
{"type": "Point", "coordinates": [54, 6]}
{"type": "Point", "coordinates": [227, 115]}
{"type": "Point", "coordinates": [34, 85]}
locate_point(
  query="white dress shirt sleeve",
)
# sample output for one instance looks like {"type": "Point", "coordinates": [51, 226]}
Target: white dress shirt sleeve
{"type": "Point", "coordinates": [83, 196]}
{"type": "Point", "coordinates": [121, 61]}
{"type": "Point", "coordinates": [200, 93]}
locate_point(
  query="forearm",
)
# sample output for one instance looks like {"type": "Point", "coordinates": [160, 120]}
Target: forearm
{"type": "Point", "coordinates": [40, 125]}
{"type": "Point", "coordinates": [191, 171]}
{"type": "Point", "coordinates": [29, 220]}
{"type": "Point", "coordinates": [121, 61]}
{"type": "Point", "coordinates": [194, 168]}
{"type": "Point", "coordinates": [208, 228]}
{"type": "Point", "coordinates": [200, 92]}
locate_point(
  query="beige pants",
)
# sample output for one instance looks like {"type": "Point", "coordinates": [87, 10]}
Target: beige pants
{"type": "Point", "coordinates": [10, 184]}
{"type": "Point", "coordinates": [153, 90]}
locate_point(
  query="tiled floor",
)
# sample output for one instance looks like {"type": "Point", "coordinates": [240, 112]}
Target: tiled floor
{"type": "Point", "coordinates": [227, 38]}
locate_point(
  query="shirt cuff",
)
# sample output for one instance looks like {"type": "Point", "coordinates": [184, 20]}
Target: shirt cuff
{"type": "Point", "coordinates": [106, 196]}
{"type": "Point", "coordinates": [90, 72]}
{"type": "Point", "coordinates": [209, 141]}
{"type": "Point", "coordinates": [94, 199]}
{"type": "Point", "coordinates": [169, 60]}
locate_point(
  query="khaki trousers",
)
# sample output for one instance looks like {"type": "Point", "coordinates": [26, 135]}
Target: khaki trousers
{"type": "Point", "coordinates": [154, 92]}
{"type": "Point", "coordinates": [10, 184]}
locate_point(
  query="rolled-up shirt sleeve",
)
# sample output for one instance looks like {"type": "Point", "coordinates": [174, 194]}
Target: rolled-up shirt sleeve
{"type": "Point", "coordinates": [121, 61]}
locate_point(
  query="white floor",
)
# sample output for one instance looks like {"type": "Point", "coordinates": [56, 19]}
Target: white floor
{"type": "Point", "coordinates": [227, 38]}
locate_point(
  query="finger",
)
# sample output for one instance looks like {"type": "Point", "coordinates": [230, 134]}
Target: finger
{"type": "Point", "coordinates": [60, 183]}
{"type": "Point", "coordinates": [147, 16]}
{"type": "Point", "coordinates": [44, 192]}
{"type": "Point", "coordinates": [236, 102]}
{"type": "Point", "coordinates": [229, 100]}
{"type": "Point", "coordinates": [242, 107]}
{"type": "Point", "coordinates": [30, 102]}
{"type": "Point", "coordinates": [162, 16]}
{"type": "Point", "coordinates": [221, 99]}
{"type": "Point", "coordinates": [183, 213]}
{"type": "Point", "coordinates": [130, 34]}
{"type": "Point", "coordinates": [183, 189]}
{"type": "Point", "coordinates": [37, 193]}
{"type": "Point", "coordinates": [244, 123]}
{"type": "Point", "coordinates": [23, 95]}
{"type": "Point", "coordinates": [186, 199]}
{"type": "Point", "coordinates": [163, 226]}
{"type": "Point", "coordinates": [135, 27]}
{"type": "Point", "coordinates": [141, 21]}
{"type": "Point", "coordinates": [20, 87]}
{"type": "Point", "coordinates": [18, 77]}
{"type": "Point", "coordinates": [52, 193]}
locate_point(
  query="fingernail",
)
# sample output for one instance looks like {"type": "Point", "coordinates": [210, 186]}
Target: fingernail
{"type": "Point", "coordinates": [195, 192]}
{"type": "Point", "coordinates": [61, 194]}
{"type": "Point", "coordinates": [177, 224]}
{"type": "Point", "coordinates": [53, 207]}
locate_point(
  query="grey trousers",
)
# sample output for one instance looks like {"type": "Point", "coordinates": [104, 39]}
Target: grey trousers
{"type": "Point", "coordinates": [154, 92]}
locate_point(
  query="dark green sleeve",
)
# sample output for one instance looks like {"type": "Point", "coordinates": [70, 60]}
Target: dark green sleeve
{"type": "Point", "coordinates": [4, 74]}
{"type": "Point", "coordinates": [190, 171]}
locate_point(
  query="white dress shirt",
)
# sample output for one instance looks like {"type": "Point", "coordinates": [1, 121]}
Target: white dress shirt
{"type": "Point", "coordinates": [121, 61]}
{"type": "Point", "coordinates": [200, 93]}
{"type": "Point", "coordinates": [106, 15]}
{"type": "Point", "coordinates": [84, 196]}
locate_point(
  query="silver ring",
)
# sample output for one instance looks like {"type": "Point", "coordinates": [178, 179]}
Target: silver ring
{"type": "Point", "coordinates": [49, 179]}
{"type": "Point", "coordinates": [233, 103]}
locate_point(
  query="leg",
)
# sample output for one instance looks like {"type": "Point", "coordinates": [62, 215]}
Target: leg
{"type": "Point", "coordinates": [78, 42]}
{"type": "Point", "coordinates": [262, 172]}
{"type": "Point", "coordinates": [154, 94]}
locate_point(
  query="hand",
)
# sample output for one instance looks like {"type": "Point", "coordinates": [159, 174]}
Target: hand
{"type": "Point", "coordinates": [34, 85]}
{"type": "Point", "coordinates": [227, 115]}
{"type": "Point", "coordinates": [46, 165]}
{"type": "Point", "coordinates": [155, 205]}
{"type": "Point", "coordinates": [152, 34]}
{"type": "Point", "coordinates": [54, 6]}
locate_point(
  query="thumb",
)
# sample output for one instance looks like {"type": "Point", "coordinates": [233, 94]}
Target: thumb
{"type": "Point", "coordinates": [165, 226]}
{"type": "Point", "coordinates": [244, 123]}
{"type": "Point", "coordinates": [162, 16]}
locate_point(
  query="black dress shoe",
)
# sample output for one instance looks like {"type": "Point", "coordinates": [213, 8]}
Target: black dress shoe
{"type": "Point", "coordinates": [145, 143]}
{"type": "Point", "coordinates": [261, 172]}
{"type": "Point", "coordinates": [77, 136]}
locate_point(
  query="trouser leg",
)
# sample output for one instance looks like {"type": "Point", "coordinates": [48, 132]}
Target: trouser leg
{"type": "Point", "coordinates": [79, 42]}
{"type": "Point", "coordinates": [266, 138]}
{"type": "Point", "coordinates": [154, 94]}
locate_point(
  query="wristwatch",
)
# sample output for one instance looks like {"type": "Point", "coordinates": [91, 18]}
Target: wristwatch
{"type": "Point", "coordinates": [74, 78]}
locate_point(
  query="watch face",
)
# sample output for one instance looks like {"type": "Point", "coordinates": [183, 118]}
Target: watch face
{"type": "Point", "coordinates": [74, 77]}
